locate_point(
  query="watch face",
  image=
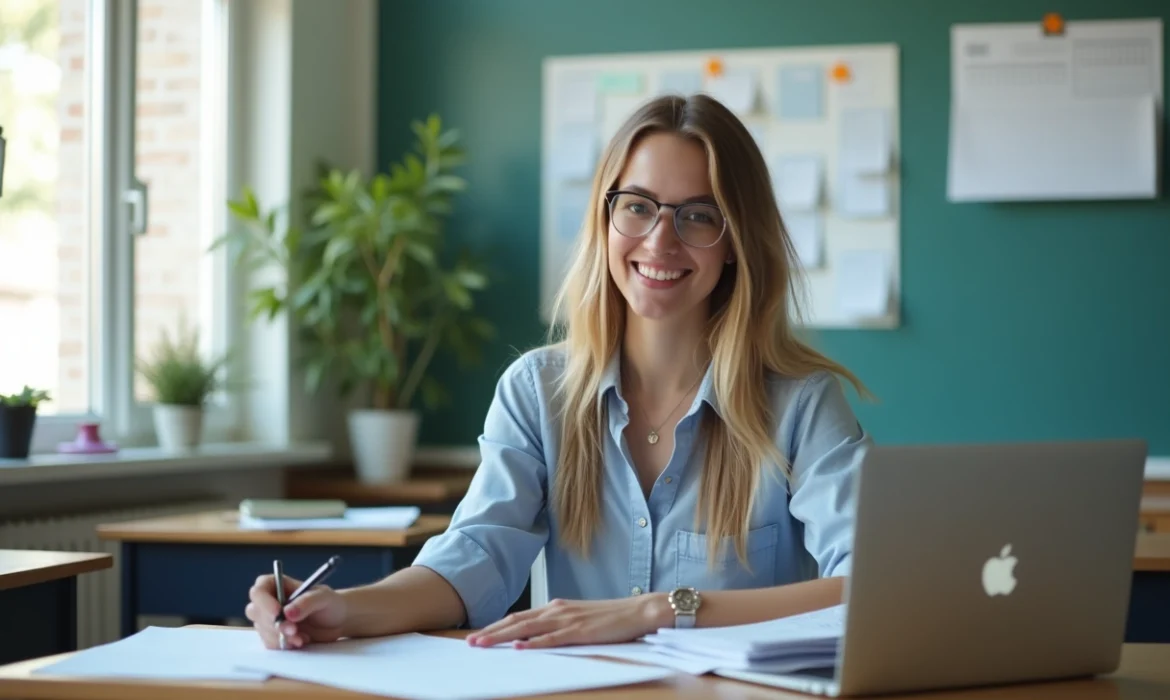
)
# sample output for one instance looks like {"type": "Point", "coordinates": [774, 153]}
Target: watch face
{"type": "Point", "coordinates": [685, 599]}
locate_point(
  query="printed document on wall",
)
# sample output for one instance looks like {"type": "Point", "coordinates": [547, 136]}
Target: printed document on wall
{"type": "Point", "coordinates": [1036, 117]}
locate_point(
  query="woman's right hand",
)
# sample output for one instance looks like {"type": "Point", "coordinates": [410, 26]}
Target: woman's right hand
{"type": "Point", "coordinates": [316, 616]}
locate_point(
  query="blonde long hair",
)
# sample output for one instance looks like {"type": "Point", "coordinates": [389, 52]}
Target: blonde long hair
{"type": "Point", "coordinates": [750, 332]}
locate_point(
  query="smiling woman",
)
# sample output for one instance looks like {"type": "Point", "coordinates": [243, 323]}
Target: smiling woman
{"type": "Point", "coordinates": [679, 455]}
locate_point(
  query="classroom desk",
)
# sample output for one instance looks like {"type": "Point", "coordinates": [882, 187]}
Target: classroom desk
{"type": "Point", "coordinates": [38, 597]}
{"type": "Point", "coordinates": [1155, 513]}
{"type": "Point", "coordinates": [434, 491]}
{"type": "Point", "coordinates": [1149, 608]}
{"type": "Point", "coordinates": [200, 566]}
{"type": "Point", "coordinates": [1144, 674]}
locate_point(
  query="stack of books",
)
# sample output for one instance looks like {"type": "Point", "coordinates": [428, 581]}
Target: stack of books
{"type": "Point", "coordinates": [789, 644]}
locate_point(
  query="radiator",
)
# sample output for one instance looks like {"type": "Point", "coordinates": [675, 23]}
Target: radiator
{"type": "Point", "coordinates": [98, 594]}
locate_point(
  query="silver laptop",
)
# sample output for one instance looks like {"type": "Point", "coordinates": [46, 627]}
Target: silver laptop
{"type": "Point", "coordinates": [984, 565]}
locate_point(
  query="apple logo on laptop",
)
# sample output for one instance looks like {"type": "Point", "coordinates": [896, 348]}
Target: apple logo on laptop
{"type": "Point", "coordinates": [998, 576]}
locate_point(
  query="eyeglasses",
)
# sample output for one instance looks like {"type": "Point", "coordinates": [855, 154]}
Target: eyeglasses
{"type": "Point", "coordinates": [634, 215]}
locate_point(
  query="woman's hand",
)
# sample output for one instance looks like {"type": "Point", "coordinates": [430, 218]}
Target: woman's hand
{"type": "Point", "coordinates": [316, 616]}
{"type": "Point", "coordinates": [565, 622]}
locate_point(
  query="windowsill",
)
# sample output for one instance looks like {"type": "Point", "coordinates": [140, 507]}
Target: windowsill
{"type": "Point", "coordinates": [154, 461]}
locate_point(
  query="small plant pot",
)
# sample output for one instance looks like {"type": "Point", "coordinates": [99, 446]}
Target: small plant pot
{"type": "Point", "coordinates": [178, 427]}
{"type": "Point", "coordinates": [16, 429]}
{"type": "Point", "coordinates": [383, 444]}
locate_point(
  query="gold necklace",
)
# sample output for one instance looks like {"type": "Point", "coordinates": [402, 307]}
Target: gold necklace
{"type": "Point", "coordinates": [652, 436]}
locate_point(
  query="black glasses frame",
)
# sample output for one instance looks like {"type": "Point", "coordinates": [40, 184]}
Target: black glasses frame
{"type": "Point", "coordinates": [611, 196]}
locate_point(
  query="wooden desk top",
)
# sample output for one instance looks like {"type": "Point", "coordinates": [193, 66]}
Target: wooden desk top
{"type": "Point", "coordinates": [25, 567]}
{"type": "Point", "coordinates": [430, 486]}
{"type": "Point", "coordinates": [1153, 552]}
{"type": "Point", "coordinates": [222, 527]}
{"type": "Point", "coordinates": [1156, 505]}
{"type": "Point", "coordinates": [1144, 675]}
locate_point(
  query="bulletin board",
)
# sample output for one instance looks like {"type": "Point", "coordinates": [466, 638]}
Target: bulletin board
{"type": "Point", "coordinates": [825, 119]}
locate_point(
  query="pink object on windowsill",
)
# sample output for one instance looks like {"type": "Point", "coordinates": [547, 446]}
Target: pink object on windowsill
{"type": "Point", "coordinates": [87, 442]}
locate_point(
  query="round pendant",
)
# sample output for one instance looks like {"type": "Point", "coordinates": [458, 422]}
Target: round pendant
{"type": "Point", "coordinates": [652, 438]}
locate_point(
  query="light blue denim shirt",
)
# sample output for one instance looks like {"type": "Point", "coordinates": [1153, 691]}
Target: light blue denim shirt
{"type": "Point", "coordinates": [797, 531]}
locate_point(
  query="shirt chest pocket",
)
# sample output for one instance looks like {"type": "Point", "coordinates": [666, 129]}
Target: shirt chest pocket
{"type": "Point", "coordinates": [694, 567]}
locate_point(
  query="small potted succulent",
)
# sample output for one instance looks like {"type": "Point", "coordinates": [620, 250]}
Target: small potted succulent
{"type": "Point", "coordinates": [181, 381]}
{"type": "Point", "coordinates": [18, 415]}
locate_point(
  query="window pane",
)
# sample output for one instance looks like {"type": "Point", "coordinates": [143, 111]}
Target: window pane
{"type": "Point", "coordinates": [44, 234]}
{"type": "Point", "coordinates": [174, 145]}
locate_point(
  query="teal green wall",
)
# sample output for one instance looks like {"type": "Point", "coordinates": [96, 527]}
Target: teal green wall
{"type": "Point", "coordinates": [1021, 321]}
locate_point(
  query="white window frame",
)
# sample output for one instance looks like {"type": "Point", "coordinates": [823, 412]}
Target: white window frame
{"type": "Point", "coordinates": [112, 39]}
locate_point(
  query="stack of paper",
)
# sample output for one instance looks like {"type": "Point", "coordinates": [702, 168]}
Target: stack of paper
{"type": "Point", "coordinates": [788, 644]}
{"type": "Point", "coordinates": [381, 518]}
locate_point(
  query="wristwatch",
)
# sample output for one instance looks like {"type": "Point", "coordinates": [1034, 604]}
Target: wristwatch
{"type": "Point", "coordinates": [685, 602]}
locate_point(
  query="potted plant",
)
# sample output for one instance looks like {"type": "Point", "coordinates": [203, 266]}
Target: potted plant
{"type": "Point", "coordinates": [372, 299]}
{"type": "Point", "coordinates": [18, 415]}
{"type": "Point", "coordinates": [181, 380]}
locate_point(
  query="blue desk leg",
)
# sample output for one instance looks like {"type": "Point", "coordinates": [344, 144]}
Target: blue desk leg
{"type": "Point", "coordinates": [129, 588]}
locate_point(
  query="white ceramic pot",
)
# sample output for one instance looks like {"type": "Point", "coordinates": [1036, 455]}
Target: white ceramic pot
{"type": "Point", "coordinates": [383, 444]}
{"type": "Point", "coordinates": [178, 427]}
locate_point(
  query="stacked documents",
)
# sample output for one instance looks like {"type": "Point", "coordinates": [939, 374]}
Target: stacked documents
{"type": "Point", "coordinates": [795, 643]}
{"type": "Point", "coordinates": [375, 518]}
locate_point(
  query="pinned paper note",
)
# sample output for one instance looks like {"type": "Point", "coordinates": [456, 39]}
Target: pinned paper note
{"type": "Point", "coordinates": [575, 154]}
{"type": "Point", "coordinates": [736, 89]}
{"type": "Point", "coordinates": [620, 83]}
{"type": "Point", "coordinates": [863, 196]}
{"type": "Point", "coordinates": [865, 141]}
{"type": "Point", "coordinates": [806, 230]}
{"type": "Point", "coordinates": [577, 100]}
{"type": "Point", "coordinates": [798, 182]}
{"type": "Point", "coordinates": [801, 92]}
{"type": "Point", "coordinates": [863, 283]}
{"type": "Point", "coordinates": [571, 209]}
{"type": "Point", "coordinates": [759, 134]}
{"type": "Point", "coordinates": [680, 82]}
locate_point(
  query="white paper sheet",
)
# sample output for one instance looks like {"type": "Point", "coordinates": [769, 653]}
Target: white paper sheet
{"type": "Point", "coordinates": [641, 652]}
{"type": "Point", "coordinates": [759, 134]}
{"type": "Point", "coordinates": [807, 232]}
{"type": "Point", "coordinates": [577, 100]}
{"type": "Point", "coordinates": [801, 92]}
{"type": "Point", "coordinates": [735, 88]}
{"type": "Point", "coordinates": [168, 653]}
{"type": "Point", "coordinates": [617, 109]}
{"type": "Point", "coordinates": [574, 155]}
{"type": "Point", "coordinates": [797, 181]}
{"type": "Point", "coordinates": [863, 283]}
{"type": "Point", "coordinates": [420, 667]}
{"type": "Point", "coordinates": [865, 141]}
{"type": "Point", "coordinates": [680, 82]}
{"type": "Point", "coordinates": [378, 518]}
{"type": "Point", "coordinates": [1037, 117]}
{"type": "Point", "coordinates": [863, 196]}
{"type": "Point", "coordinates": [572, 205]}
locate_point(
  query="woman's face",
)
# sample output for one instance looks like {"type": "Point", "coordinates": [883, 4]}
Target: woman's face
{"type": "Point", "coordinates": [660, 275]}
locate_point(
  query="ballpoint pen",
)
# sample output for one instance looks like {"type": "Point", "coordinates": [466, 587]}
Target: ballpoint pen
{"type": "Point", "coordinates": [278, 572]}
{"type": "Point", "coordinates": [319, 576]}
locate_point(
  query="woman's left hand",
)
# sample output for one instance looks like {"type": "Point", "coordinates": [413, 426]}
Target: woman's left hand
{"type": "Point", "coordinates": [565, 622]}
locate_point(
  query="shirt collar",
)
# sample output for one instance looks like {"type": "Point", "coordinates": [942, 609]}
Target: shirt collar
{"type": "Point", "coordinates": [611, 378]}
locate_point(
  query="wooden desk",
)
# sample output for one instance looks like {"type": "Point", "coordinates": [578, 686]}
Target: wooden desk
{"type": "Point", "coordinates": [1155, 510]}
{"type": "Point", "coordinates": [38, 597]}
{"type": "Point", "coordinates": [1149, 604]}
{"type": "Point", "coordinates": [201, 566]}
{"type": "Point", "coordinates": [433, 490]}
{"type": "Point", "coordinates": [1144, 675]}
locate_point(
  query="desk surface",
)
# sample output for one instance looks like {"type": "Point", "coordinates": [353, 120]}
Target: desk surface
{"type": "Point", "coordinates": [1153, 552]}
{"type": "Point", "coordinates": [432, 486]}
{"type": "Point", "coordinates": [222, 527]}
{"type": "Point", "coordinates": [1144, 675]}
{"type": "Point", "coordinates": [25, 567]}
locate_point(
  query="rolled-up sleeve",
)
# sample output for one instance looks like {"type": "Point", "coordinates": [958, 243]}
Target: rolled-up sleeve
{"type": "Point", "coordinates": [502, 523]}
{"type": "Point", "coordinates": [827, 445]}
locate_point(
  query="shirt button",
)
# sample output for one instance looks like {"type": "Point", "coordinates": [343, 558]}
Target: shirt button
{"type": "Point", "coordinates": [667, 480]}
{"type": "Point", "coordinates": [641, 522]}
{"type": "Point", "coordinates": [636, 590]}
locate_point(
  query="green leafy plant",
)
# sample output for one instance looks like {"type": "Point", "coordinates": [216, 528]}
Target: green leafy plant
{"type": "Point", "coordinates": [178, 374]}
{"type": "Point", "coordinates": [365, 283]}
{"type": "Point", "coordinates": [26, 397]}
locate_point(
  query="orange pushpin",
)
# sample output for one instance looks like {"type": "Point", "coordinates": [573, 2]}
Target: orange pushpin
{"type": "Point", "coordinates": [714, 67]}
{"type": "Point", "coordinates": [841, 73]}
{"type": "Point", "coordinates": [1053, 24]}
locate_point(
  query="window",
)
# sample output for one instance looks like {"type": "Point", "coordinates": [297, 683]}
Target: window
{"type": "Point", "coordinates": [113, 191]}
